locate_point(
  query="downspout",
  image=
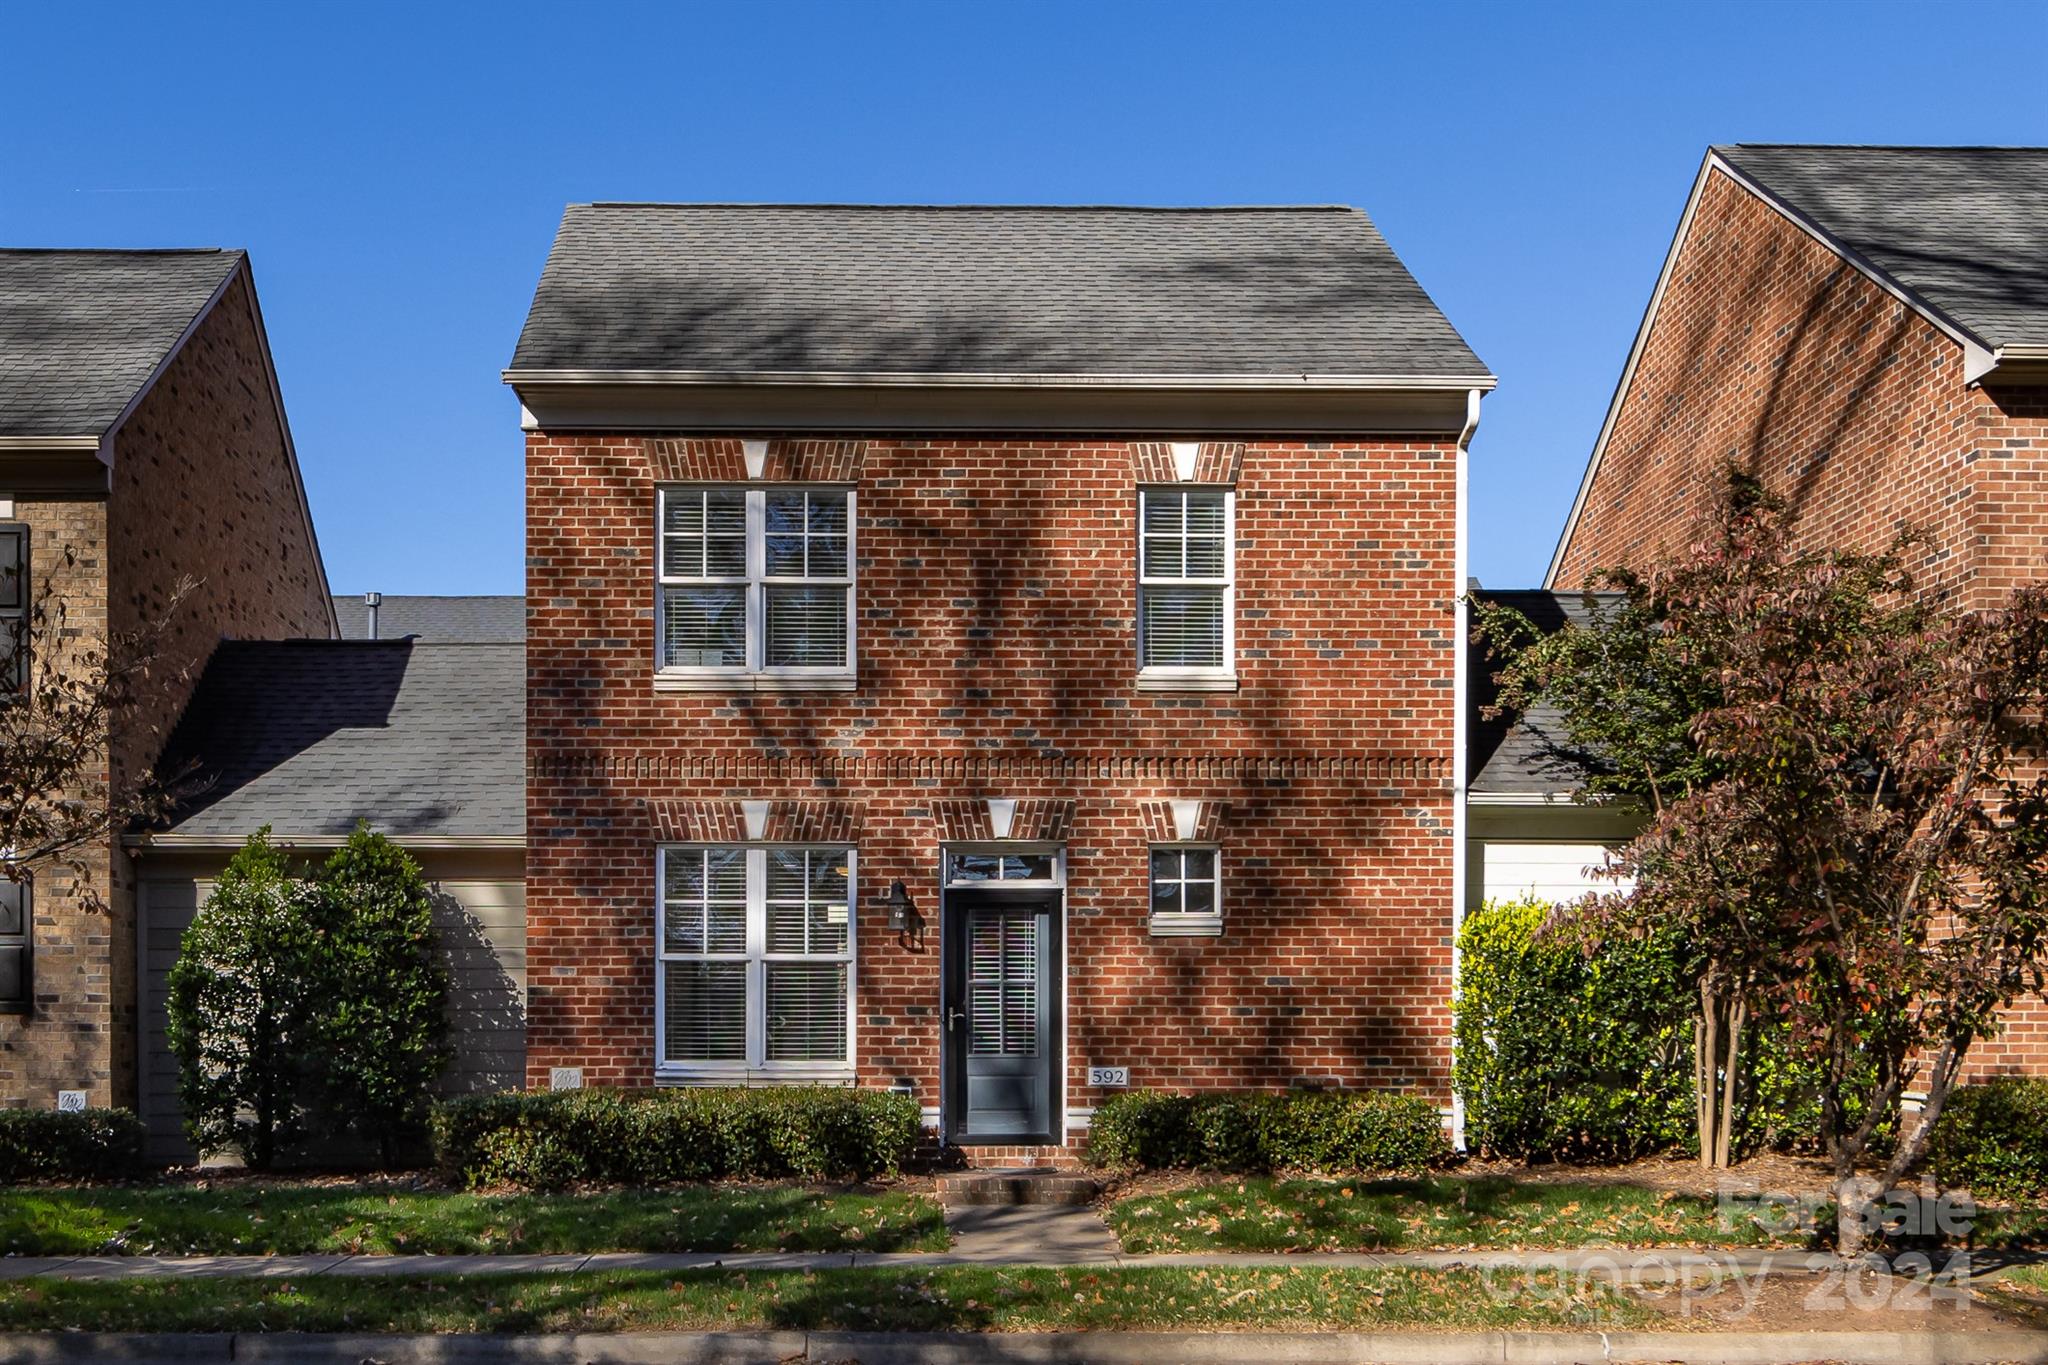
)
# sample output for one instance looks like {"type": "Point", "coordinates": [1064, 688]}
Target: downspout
{"type": "Point", "coordinates": [1460, 691]}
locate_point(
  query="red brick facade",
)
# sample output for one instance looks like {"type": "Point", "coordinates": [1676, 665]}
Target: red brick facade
{"type": "Point", "coordinates": [1771, 351]}
{"type": "Point", "coordinates": [203, 486]}
{"type": "Point", "coordinates": [996, 605]}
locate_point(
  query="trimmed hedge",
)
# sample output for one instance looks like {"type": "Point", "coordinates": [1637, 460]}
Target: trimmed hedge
{"type": "Point", "coordinates": [90, 1144]}
{"type": "Point", "coordinates": [1561, 1054]}
{"type": "Point", "coordinates": [1325, 1130]}
{"type": "Point", "coordinates": [551, 1139]}
{"type": "Point", "coordinates": [1994, 1138]}
{"type": "Point", "coordinates": [1589, 1057]}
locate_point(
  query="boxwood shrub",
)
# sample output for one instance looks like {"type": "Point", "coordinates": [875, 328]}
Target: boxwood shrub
{"type": "Point", "coordinates": [1340, 1130]}
{"type": "Point", "coordinates": [1993, 1138]}
{"type": "Point", "coordinates": [548, 1140]}
{"type": "Point", "coordinates": [87, 1144]}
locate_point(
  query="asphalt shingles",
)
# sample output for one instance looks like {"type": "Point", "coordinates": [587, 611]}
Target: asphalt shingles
{"type": "Point", "coordinates": [308, 736]}
{"type": "Point", "coordinates": [445, 620]}
{"type": "Point", "coordinates": [1525, 753]}
{"type": "Point", "coordinates": [1964, 229]}
{"type": "Point", "coordinates": [81, 332]}
{"type": "Point", "coordinates": [1013, 291]}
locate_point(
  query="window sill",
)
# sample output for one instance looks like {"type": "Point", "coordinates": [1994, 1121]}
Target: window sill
{"type": "Point", "coordinates": [755, 682]}
{"type": "Point", "coordinates": [1156, 681]}
{"type": "Point", "coordinates": [756, 1076]}
{"type": "Point", "coordinates": [1187, 926]}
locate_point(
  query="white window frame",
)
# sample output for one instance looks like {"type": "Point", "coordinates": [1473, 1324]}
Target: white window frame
{"type": "Point", "coordinates": [756, 674]}
{"type": "Point", "coordinates": [1181, 923]}
{"type": "Point", "coordinates": [1172, 678]}
{"type": "Point", "coordinates": [756, 1067]}
{"type": "Point", "coordinates": [999, 849]}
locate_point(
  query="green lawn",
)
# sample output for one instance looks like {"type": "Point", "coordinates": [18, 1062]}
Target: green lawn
{"type": "Point", "coordinates": [237, 1218]}
{"type": "Point", "coordinates": [953, 1298]}
{"type": "Point", "coordinates": [1367, 1215]}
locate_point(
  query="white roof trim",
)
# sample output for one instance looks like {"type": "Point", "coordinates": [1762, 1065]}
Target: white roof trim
{"type": "Point", "coordinates": [171, 841]}
{"type": "Point", "coordinates": [1978, 359]}
{"type": "Point", "coordinates": [55, 445]}
{"type": "Point", "coordinates": [892, 379]}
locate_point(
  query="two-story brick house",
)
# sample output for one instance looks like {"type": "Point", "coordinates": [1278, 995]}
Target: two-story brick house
{"type": "Point", "coordinates": [998, 653]}
{"type": "Point", "coordinates": [142, 442]}
{"type": "Point", "coordinates": [1865, 329]}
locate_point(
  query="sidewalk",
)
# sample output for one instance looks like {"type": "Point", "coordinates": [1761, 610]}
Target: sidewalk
{"type": "Point", "coordinates": [1050, 1348]}
{"type": "Point", "coordinates": [991, 1251]}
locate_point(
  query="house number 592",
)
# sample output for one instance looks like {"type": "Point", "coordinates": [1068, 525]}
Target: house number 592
{"type": "Point", "coordinates": [1109, 1075]}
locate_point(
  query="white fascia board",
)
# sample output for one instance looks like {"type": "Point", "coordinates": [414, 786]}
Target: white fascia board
{"type": "Point", "coordinates": [49, 445]}
{"type": "Point", "coordinates": [1592, 801]}
{"type": "Point", "coordinates": [1978, 358]}
{"type": "Point", "coordinates": [1164, 410]}
{"type": "Point", "coordinates": [1521, 799]}
{"type": "Point", "coordinates": [174, 841]}
{"type": "Point", "coordinates": [911, 380]}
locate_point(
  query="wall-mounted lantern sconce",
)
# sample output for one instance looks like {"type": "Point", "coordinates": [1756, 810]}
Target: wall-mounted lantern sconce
{"type": "Point", "coordinates": [903, 917]}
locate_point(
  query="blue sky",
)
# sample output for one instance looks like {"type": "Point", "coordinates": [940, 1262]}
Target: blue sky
{"type": "Point", "coordinates": [397, 173]}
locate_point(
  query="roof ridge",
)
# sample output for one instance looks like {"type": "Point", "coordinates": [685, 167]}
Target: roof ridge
{"type": "Point", "coordinates": [122, 250]}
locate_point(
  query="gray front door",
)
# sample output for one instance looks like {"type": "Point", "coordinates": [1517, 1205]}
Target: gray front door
{"type": "Point", "coordinates": [1001, 1018]}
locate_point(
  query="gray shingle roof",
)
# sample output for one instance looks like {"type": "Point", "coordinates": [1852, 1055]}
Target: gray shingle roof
{"type": "Point", "coordinates": [308, 736]}
{"type": "Point", "coordinates": [1963, 229]}
{"type": "Point", "coordinates": [1527, 754]}
{"type": "Point", "coordinates": [447, 620]}
{"type": "Point", "coordinates": [790, 289]}
{"type": "Point", "coordinates": [81, 332]}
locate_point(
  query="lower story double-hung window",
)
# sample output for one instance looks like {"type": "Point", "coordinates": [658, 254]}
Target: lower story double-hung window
{"type": "Point", "coordinates": [754, 967]}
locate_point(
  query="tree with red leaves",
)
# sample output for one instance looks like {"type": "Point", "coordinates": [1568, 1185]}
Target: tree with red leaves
{"type": "Point", "coordinates": [1851, 824]}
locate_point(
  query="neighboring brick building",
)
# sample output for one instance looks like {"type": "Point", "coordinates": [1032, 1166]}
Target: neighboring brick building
{"type": "Point", "coordinates": [836, 616]}
{"type": "Point", "coordinates": [1865, 329]}
{"type": "Point", "coordinates": [142, 441]}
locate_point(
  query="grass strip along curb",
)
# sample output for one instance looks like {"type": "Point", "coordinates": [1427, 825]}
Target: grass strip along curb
{"type": "Point", "coordinates": [1264, 1214]}
{"type": "Point", "coordinates": [941, 1299]}
{"type": "Point", "coordinates": [1047, 1348]}
{"type": "Point", "coordinates": [251, 1220]}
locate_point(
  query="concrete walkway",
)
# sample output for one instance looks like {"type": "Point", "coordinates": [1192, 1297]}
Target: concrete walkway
{"type": "Point", "coordinates": [997, 1241]}
{"type": "Point", "coordinates": [1047, 1348]}
{"type": "Point", "coordinates": [1042, 1234]}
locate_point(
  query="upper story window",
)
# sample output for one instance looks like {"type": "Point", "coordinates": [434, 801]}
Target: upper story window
{"type": "Point", "coordinates": [1186, 636]}
{"type": "Point", "coordinates": [756, 588]}
{"type": "Point", "coordinates": [14, 608]}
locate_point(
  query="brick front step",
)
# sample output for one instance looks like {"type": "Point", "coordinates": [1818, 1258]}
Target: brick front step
{"type": "Point", "coordinates": [1037, 1186]}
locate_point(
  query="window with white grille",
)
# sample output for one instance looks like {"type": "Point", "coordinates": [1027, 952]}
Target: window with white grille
{"type": "Point", "coordinates": [754, 967]}
{"type": "Point", "coordinates": [1187, 890]}
{"type": "Point", "coordinates": [1185, 564]}
{"type": "Point", "coordinates": [756, 586]}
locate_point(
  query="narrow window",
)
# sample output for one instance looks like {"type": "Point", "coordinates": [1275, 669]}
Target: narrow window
{"type": "Point", "coordinates": [16, 986]}
{"type": "Point", "coordinates": [756, 587]}
{"type": "Point", "coordinates": [754, 971]}
{"type": "Point", "coordinates": [1187, 891]}
{"type": "Point", "coordinates": [1185, 562]}
{"type": "Point", "coordinates": [14, 608]}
